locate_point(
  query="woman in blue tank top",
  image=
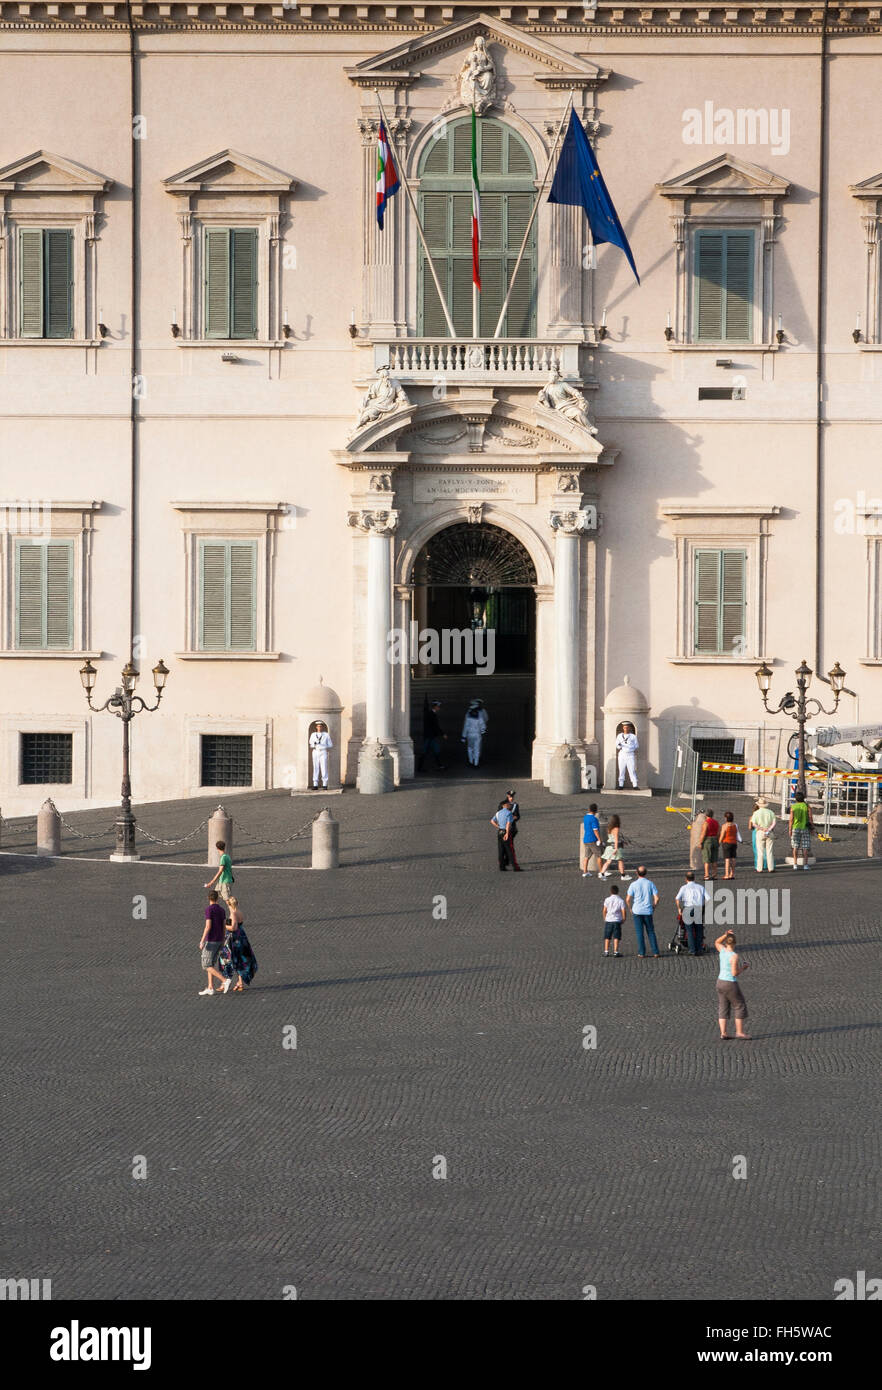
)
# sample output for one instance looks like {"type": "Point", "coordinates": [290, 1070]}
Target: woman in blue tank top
{"type": "Point", "coordinates": [730, 1000]}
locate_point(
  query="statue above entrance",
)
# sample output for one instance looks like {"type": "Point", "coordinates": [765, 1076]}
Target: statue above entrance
{"type": "Point", "coordinates": [383, 397]}
{"type": "Point", "coordinates": [566, 400]}
{"type": "Point", "coordinates": [477, 78]}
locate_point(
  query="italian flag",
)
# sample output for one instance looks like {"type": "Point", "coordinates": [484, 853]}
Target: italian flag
{"type": "Point", "coordinates": [476, 207]}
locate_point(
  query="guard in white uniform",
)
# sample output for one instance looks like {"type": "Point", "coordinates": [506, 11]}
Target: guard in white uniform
{"type": "Point", "coordinates": [320, 741]}
{"type": "Point", "coordinates": [626, 747]}
{"type": "Point", "coordinates": [473, 730]}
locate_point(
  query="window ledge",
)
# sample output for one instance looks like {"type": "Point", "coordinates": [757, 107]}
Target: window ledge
{"type": "Point", "coordinates": [228, 656]}
{"type": "Point", "coordinates": [56, 655]}
{"type": "Point", "coordinates": [701, 660]}
{"type": "Point", "coordinates": [870, 661]}
{"type": "Point", "coordinates": [51, 342]}
{"type": "Point", "coordinates": [870, 347]}
{"type": "Point", "coordinates": [731, 348]}
{"type": "Point", "coordinates": [231, 344]}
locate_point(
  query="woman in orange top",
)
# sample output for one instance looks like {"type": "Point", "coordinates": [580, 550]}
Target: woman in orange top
{"type": "Point", "coordinates": [729, 838]}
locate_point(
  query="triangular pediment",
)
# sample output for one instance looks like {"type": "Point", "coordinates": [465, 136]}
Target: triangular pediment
{"type": "Point", "coordinates": [230, 172]}
{"type": "Point", "coordinates": [399, 66]}
{"type": "Point", "coordinates": [725, 176]}
{"type": "Point", "coordinates": [43, 172]}
{"type": "Point", "coordinates": [869, 188]}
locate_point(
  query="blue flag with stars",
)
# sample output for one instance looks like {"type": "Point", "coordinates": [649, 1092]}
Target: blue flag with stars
{"type": "Point", "coordinates": [578, 182]}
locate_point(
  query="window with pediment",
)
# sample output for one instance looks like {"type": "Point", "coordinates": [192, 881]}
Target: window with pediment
{"type": "Point", "coordinates": [506, 174]}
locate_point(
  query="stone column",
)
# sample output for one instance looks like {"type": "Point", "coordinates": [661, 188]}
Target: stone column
{"type": "Point", "coordinates": [568, 527]}
{"type": "Point", "coordinates": [379, 526]}
{"type": "Point", "coordinates": [383, 251]}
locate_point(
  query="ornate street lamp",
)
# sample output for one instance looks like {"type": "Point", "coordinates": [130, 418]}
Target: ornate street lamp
{"type": "Point", "coordinates": [125, 704]}
{"type": "Point", "coordinates": [798, 706]}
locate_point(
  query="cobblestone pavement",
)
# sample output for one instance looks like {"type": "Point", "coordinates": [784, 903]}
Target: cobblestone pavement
{"type": "Point", "coordinates": [422, 1038]}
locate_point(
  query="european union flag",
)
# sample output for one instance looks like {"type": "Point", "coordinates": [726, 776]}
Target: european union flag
{"type": "Point", "coordinates": [579, 183]}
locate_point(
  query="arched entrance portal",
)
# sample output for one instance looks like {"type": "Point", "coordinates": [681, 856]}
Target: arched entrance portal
{"type": "Point", "coordinates": [473, 636]}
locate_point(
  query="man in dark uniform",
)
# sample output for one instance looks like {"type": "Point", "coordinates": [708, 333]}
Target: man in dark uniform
{"type": "Point", "coordinates": [433, 734]}
{"type": "Point", "coordinates": [513, 827]}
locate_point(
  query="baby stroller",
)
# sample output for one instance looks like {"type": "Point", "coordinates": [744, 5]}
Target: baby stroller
{"type": "Point", "coordinates": [679, 941]}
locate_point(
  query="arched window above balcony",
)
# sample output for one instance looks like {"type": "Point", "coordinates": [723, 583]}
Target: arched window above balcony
{"type": "Point", "coordinates": [506, 173]}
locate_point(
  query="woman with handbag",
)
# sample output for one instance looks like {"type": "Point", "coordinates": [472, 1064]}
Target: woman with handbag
{"type": "Point", "coordinates": [237, 956]}
{"type": "Point", "coordinates": [613, 849]}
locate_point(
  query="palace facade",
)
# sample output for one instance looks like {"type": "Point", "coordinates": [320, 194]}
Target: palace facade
{"type": "Point", "coordinates": [204, 459]}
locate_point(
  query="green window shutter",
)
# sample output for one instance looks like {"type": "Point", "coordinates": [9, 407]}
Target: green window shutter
{"type": "Point", "coordinates": [518, 209]}
{"type": "Point", "coordinates": [44, 595]}
{"type": "Point", "coordinates": [59, 594]}
{"type": "Point", "coordinates": [227, 608]}
{"type": "Point", "coordinates": [709, 285]}
{"type": "Point", "coordinates": [519, 315]}
{"type": "Point", "coordinates": [491, 223]}
{"type": "Point", "coordinates": [437, 160]}
{"type": "Point", "coordinates": [739, 287]}
{"type": "Point", "coordinates": [435, 220]}
{"type": "Point", "coordinates": [519, 160]}
{"type": "Point", "coordinates": [30, 284]}
{"type": "Point", "coordinates": [720, 600]}
{"type": "Point", "coordinates": [217, 283]}
{"type": "Point", "coordinates": [490, 136]}
{"type": "Point", "coordinates": [724, 286]}
{"type": "Point", "coordinates": [434, 324]}
{"type": "Point", "coordinates": [243, 295]}
{"type": "Point", "coordinates": [460, 295]}
{"type": "Point", "coordinates": [492, 293]}
{"type": "Point", "coordinates": [462, 147]}
{"type": "Point", "coordinates": [707, 601]}
{"type": "Point", "coordinates": [58, 271]}
{"type": "Point", "coordinates": [29, 608]}
{"type": "Point", "coordinates": [242, 595]}
{"type": "Point", "coordinates": [733, 598]}
{"type": "Point", "coordinates": [462, 222]}
{"type": "Point", "coordinates": [212, 596]}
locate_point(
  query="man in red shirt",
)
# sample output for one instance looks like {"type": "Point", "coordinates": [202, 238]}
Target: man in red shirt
{"type": "Point", "coordinates": [710, 845]}
{"type": "Point", "coordinates": [212, 940]}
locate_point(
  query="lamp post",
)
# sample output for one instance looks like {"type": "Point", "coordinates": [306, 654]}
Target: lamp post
{"type": "Point", "coordinates": [797, 706]}
{"type": "Point", "coordinates": [125, 704]}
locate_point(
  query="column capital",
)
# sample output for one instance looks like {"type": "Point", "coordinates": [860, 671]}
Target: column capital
{"type": "Point", "coordinates": [573, 523]}
{"type": "Point", "coordinates": [375, 523]}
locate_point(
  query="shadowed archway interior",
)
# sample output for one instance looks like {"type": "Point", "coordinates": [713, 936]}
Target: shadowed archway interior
{"type": "Point", "coordinates": [476, 580]}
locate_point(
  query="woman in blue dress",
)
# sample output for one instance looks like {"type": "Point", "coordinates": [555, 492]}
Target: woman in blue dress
{"type": "Point", "coordinates": [237, 956]}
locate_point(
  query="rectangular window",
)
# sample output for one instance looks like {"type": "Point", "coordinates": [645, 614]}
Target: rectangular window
{"type": "Point", "coordinates": [226, 760]}
{"type": "Point", "coordinates": [720, 601]}
{"type": "Point", "coordinates": [46, 758]}
{"type": "Point", "coordinates": [448, 224]}
{"type": "Point", "coordinates": [227, 595]}
{"type": "Point", "coordinates": [44, 595]}
{"type": "Point", "coordinates": [231, 282]}
{"type": "Point", "coordinates": [45, 283]}
{"type": "Point", "coordinates": [723, 294]}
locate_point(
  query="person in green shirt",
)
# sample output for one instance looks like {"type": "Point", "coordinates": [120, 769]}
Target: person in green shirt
{"type": "Point", "coordinates": [762, 822]}
{"type": "Point", "coordinates": [801, 827]}
{"type": "Point", "coordinates": [224, 876]}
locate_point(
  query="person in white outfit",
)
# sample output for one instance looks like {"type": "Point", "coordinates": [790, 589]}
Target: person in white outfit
{"type": "Point", "coordinates": [320, 741]}
{"type": "Point", "coordinates": [473, 730]}
{"type": "Point", "coordinates": [626, 748]}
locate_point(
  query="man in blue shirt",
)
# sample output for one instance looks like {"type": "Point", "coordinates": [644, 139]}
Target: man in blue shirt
{"type": "Point", "coordinates": [502, 822]}
{"type": "Point", "coordinates": [643, 897]}
{"type": "Point", "coordinates": [590, 838]}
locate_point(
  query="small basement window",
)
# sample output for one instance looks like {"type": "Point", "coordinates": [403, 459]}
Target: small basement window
{"type": "Point", "coordinates": [721, 393]}
{"type": "Point", "coordinates": [46, 759]}
{"type": "Point", "coordinates": [226, 760]}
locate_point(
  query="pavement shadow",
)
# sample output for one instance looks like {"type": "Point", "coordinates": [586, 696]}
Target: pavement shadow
{"type": "Point", "coordinates": [375, 979]}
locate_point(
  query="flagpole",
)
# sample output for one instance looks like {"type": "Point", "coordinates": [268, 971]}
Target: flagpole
{"type": "Point", "coordinates": [429, 261]}
{"type": "Point", "coordinates": [551, 155]}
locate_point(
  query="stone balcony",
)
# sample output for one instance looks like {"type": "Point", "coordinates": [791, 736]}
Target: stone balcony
{"type": "Point", "coordinates": [484, 361]}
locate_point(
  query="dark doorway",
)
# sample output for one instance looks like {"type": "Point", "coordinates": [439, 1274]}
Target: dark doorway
{"type": "Point", "coordinates": [479, 580]}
